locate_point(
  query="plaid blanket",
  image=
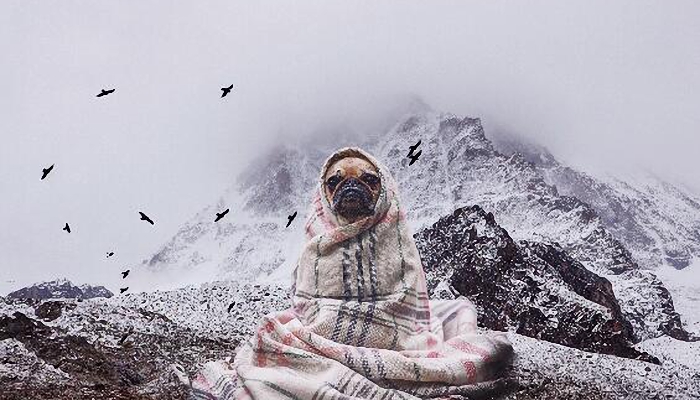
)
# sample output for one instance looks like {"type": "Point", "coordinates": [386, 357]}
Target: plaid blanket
{"type": "Point", "coordinates": [361, 325]}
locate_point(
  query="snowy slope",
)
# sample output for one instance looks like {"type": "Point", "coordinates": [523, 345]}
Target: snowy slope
{"type": "Point", "coordinates": [251, 241]}
{"type": "Point", "coordinates": [657, 221]}
{"type": "Point", "coordinates": [685, 286]}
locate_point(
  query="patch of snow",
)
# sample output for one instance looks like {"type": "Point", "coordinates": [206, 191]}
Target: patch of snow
{"type": "Point", "coordinates": [684, 286]}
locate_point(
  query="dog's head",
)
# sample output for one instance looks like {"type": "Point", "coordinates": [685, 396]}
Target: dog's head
{"type": "Point", "coordinates": [352, 185]}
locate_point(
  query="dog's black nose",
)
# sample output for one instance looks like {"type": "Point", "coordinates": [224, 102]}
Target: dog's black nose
{"type": "Point", "coordinates": [352, 194]}
{"type": "Point", "coordinates": [352, 186]}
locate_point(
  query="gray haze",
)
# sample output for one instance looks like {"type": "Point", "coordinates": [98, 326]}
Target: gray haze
{"type": "Point", "coordinates": [602, 85]}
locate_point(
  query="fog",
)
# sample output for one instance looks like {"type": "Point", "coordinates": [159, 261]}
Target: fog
{"type": "Point", "coordinates": [602, 85]}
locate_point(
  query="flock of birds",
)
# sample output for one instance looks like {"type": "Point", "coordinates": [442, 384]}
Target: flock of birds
{"type": "Point", "coordinates": [219, 215]}
{"type": "Point", "coordinates": [143, 216]}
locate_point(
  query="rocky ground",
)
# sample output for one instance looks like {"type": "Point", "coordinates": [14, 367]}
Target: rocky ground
{"type": "Point", "coordinates": [550, 371]}
{"type": "Point", "coordinates": [123, 348]}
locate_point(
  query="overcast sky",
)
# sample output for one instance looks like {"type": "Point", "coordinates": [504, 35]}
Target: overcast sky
{"type": "Point", "coordinates": [601, 84]}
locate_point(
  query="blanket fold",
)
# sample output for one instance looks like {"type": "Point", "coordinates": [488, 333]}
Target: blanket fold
{"type": "Point", "coordinates": [361, 325]}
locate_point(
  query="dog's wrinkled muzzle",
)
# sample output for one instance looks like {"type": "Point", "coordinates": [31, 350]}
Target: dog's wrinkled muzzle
{"type": "Point", "coordinates": [353, 196]}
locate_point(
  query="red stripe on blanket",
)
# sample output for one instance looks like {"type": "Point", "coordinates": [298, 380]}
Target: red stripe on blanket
{"type": "Point", "coordinates": [431, 342]}
{"type": "Point", "coordinates": [470, 369]}
{"type": "Point", "coordinates": [282, 359]}
{"type": "Point", "coordinates": [268, 327]}
{"type": "Point", "coordinates": [201, 379]}
{"type": "Point", "coordinates": [469, 348]}
{"type": "Point", "coordinates": [434, 354]}
{"type": "Point", "coordinates": [320, 211]}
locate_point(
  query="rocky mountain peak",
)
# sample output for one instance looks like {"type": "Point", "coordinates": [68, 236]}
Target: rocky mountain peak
{"type": "Point", "coordinates": [60, 288]}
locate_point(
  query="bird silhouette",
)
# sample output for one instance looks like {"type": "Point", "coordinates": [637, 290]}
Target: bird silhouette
{"type": "Point", "coordinates": [144, 217]}
{"type": "Point", "coordinates": [413, 148]}
{"type": "Point", "coordinates": [226, 90]}
{"type": "Point", "coordinates": [124, 289]}
{"type": "Point", "coordinates": [105, 92]}
{"type": "Point", "coordinates": [230, 306]}
{"type": "Point", "coordinates": [221, 215]}
{"type": "Point", "coordinates": [125, 273]}
{"type": "Point", "coordinates": [46, 171]}
{"type": "Point", "coordinates": [415, 157]}
{"type": "Point", "coordinates": [290, 218]}
{"type": "Point", "coordinates": [126, 335]}
{"type": "Point", "coordinates": [110, 254]}
{"type": "Point", "coordinates": [66, 228]}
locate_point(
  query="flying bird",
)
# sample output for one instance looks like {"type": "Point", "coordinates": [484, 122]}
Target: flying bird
{"type": "Point", "coordinates": [125, 273]}
{"type": "Point", "coordinates": [105, 92]}
{"type": "Point", "coordinates": [46, 171]}
{"type": "Point", "coordinates": [290, 218]}
{"type": "Point", "coordinates": [124, 289]}
{"type": "Point", "coordinates": [110, 254]}
{"type": "Point", "coordinates": [230, 306]}
{"type": "Point", "coordinates": [221, 215]}
{"type": "Point", "coordinates": [226, 90]}
{"type": "Point", "coordinates": [413, 148]}
{"type": "Point", "coordinates": [415, 157]}
{"type": "Point", "coordinates": [66, 228]}
{"type": "Point", "coordinates": [144, 217]}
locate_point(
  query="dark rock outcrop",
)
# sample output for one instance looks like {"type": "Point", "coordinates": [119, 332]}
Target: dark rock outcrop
{"type": "Point", "coordinates": [49, 362]}
{"type": "Point", "coordinates": [535, 289]}
{"type": "Point", "coordinates": [21, 326]}
{"type": "Point", "coordinates": [50, 310]}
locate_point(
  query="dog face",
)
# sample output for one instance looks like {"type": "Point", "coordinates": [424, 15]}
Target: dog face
{"type": "Point", "coordinates": [352, 185]}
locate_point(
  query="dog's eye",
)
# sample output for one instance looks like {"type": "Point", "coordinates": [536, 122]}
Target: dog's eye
{"type": "Point", "coordinates": [332, 181]}
{"type": "Point", "coordinates": [370, 179]}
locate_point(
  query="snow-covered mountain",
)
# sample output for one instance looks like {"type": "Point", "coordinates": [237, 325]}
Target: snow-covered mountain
{"type": "Point", "coordinates": [60, 288]}
{"type": "Point", "coordinates": [459, 167]}
{"type": "Point", "coordinates": [659, 223]}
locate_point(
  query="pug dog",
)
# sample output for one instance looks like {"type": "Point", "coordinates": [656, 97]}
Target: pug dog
{"type": "Point", "coordinates": [352, 185]}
